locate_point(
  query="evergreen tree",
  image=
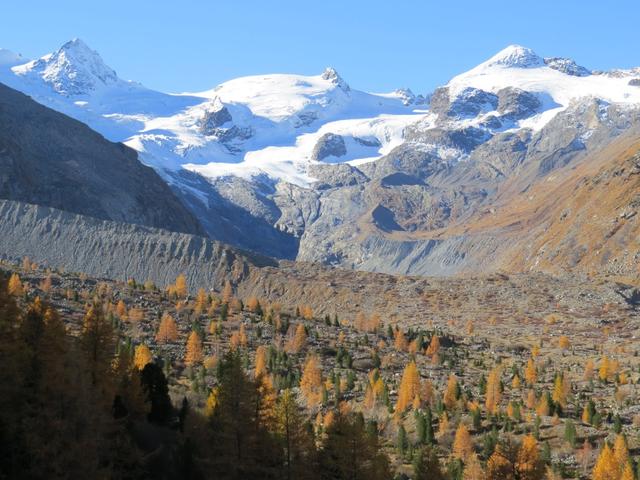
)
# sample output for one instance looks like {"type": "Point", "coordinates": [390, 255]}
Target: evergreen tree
{"type": "Point", "coordinates": [350, 452]}
{"type": "Point", "coordinates": [570, 433]}
{"type": "Point", "coordinates": [426, 465]}
{"type": "Point", "coordinates": [402, 443]}
{"type": "Point", "coordinates": [156, 389]}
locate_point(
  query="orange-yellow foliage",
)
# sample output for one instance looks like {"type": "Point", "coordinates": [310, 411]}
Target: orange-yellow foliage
{"type": "Point", "coordinates": [168, 329]}
{"type": "Point", "coordinates": [409, 387]}
{"type": "Point", "coordinates": [462, 445]}
{"type": "Point", "coordinates": [194, 353]}
{"type": "Point", "coordinates": [311, 381]}
{"type": "Point", "coordinates": [493, 396]}
{"type": "Point", "coordinates": [142, 356]}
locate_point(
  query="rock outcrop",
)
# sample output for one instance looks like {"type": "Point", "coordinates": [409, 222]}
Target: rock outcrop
{"type": "Point", "coordinates": [329, 145]}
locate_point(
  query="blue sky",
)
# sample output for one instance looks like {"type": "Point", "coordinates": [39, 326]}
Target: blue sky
{"type": "Point", "coordinates": [375, 45]}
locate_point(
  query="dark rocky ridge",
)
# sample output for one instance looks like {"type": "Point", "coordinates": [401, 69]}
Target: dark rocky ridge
{"type": "Point", "coordinates": [50, 159]}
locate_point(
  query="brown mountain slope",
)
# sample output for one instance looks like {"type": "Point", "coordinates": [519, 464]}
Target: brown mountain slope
{"type": "Point", "coordinates": [585, 219]}
{"type": "Point", "coordinates": [579, 218]}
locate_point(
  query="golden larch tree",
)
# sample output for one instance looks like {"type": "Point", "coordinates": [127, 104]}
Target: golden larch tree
{"type": "Point", "coordinates": [46, 283]}
{"type": "Point", "coordinates": [400, 341]}
{"type": "Point", "coordinates": [136, 315]}
{"type": "Point", "coordinates": [563, 342]}
{"type": "Point", "coordinates": [627, 473]}
{"type": "Point", "coordinates": [586, 415]}
{"type": "Point", "coordinates": [561, 390]}
{"type": "Point", "coordinates": [298, 341]}
{"type": "Point", "coordinates": [605, 467]}
{"type": "Point", "coordinates": [252, 304]}
{"type": "Point", "coordinates": [543, 408]}
{"type": "Point", "coordinates": [227, 292]}
{"type": "Point", "coordinates": [473, 469]}
{"type": "Point", "coordinates": [409, 387]}
{"type": "Point", "coordinates": [450, 398]}
{"type": "Point", "coordinates": [604, 372]}
{"type": "Point", "coordinates": [97, 340]}
{"type": "Point", "coordinates": [443, 424]}
{"type": "Point", "coordinates": [142, 356]}
{"type": "Point", "coordinates": [121, 310]}
{"type": "Point", "coordinates": [242, 336]}
{"type": "Point", "coordinates": [620, 453]}
{"type": "Point", "coordinates": [202, 300]}
{"type": "Point", "coordinates": [311, 381]}
{"type": "Point", "coordinates": [168, 329]}
{"type": "Point", "coordinates": [212, 402]}
{"type": "Point", "coordinates": [434, 346]}
{"type": "Point", "coordinates": [261, 361]}
{"type": "Point", "coordinates": [181, 286]}
{"type": "Point", "coordinates": [470, 328]}
{"type": "Point", "coordinates": [493, 395]}
{"type": "Point", "coordinates": [528, 463]}
{"type": "Point", "coordinates": [530, 372]}
{"type": "Point", "coordinates": [462, 445]}
{"type": "Point", "coordinates": [194, 353]}
{"type": "Point", "coordinates": [26, 264]}
{"type": "Point", "coordinates": [588, 370]}
{"type": "Point", "coordinates": [306, 312]}
{"type": "Point", "coordinates": [15, 285]}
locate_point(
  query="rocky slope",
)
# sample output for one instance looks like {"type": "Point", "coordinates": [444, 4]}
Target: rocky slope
{"type": "Point", "coordinates": [47, 158]}
{"type": "Point", "coordinates": [116, 250]}
{"type": "Point", "coordinates": [78, 243]}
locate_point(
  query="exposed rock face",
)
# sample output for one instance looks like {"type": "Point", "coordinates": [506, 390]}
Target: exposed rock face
{"type": "Point", "coordinates": [430, 206]}
{"type": "Point", "coordinates": [237, 212]}
{"type": "Point", "coordinates": [336, 175]}
{"type": "Point", "coordinates": [50, 159]}
{"type": "Point", "coordinates": [332, 75]}
{"type": "Point", "coordinates": [329, 145]}
{"type": "Point", "coordinates": [464, 139]}
{"type": "Point", "coordinates": [466, 104]}
{"type": "Point", "coordinates": [471, 102]}
{"type": "Point", "coordinates": [406, 213]}
{"type": "Point", "coordinates": [215, 118]}
{"type": "Point", "coordinates": [410, 98]}
{"type": "Point", "coordinates": [566, 65]}
{"type": "Point", "coordinates": [516, 104]}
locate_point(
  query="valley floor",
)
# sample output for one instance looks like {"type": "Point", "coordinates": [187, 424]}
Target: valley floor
{"type": "Point", "coordinates": [480, 365]}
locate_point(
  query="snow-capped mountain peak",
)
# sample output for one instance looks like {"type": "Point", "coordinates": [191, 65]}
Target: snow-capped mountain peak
{"type": "Point", "coordinates": [515, 56]}
{"type": "Point", "coordinates": [334, 77]}
{"type": "Point", "coordinates": [74, 69]}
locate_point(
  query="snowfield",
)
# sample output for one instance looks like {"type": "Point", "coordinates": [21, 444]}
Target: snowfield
{"type": "Point", "coordinates": [275, 122]}
{"type": "Point", "coordinates": [275, 125]}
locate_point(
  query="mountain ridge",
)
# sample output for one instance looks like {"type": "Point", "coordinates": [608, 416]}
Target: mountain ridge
{"type": "Point", "coordinates": [50, 159]}
{"type": "Point", "coordinates": [323, 172]}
